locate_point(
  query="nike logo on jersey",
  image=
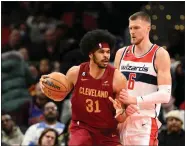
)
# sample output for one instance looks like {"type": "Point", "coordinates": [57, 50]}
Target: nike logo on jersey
{"type": "Point", "coordinates": [113, 135]}
{"type": "Point", "coordinates": [105, 82]}
{"type": "Point", "coordinates": [144, 124]}
{"type": "Point", "coordinates": [134, 68]}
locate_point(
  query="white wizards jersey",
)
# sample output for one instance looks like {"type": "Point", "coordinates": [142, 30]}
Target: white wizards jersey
{"type": "Point", "coordinates": [141, 75]}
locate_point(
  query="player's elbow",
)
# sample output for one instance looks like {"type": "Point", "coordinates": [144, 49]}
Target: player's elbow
{"type": "Point", "coordinates": [166, 96]}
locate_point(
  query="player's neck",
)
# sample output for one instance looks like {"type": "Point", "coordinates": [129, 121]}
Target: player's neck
{"type": "Point", "coordinates": [95, 71]}
{"type": "Point", "coordinates": [143, 47]}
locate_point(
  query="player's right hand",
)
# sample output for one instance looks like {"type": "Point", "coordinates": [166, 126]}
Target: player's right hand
{"type": "Point", "coordinates": [43, 79]}
{"type": "Point", "coordinates": [118, 106]}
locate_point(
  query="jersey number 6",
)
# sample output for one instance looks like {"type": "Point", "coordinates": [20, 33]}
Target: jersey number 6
{"type": "Point", "coordinates": [131, 81]}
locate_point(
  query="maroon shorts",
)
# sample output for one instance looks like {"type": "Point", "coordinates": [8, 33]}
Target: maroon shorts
{"type": "Point", "coordinates": [83, 135]}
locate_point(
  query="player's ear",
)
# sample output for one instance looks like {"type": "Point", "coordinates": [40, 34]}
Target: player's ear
{"type": "Point", "coordinates": [149, 28]}
{"type": "Point", "coordinates": [90, 55]}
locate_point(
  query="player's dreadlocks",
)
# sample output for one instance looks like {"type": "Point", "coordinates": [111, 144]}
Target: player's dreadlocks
{"type": "Point", "coordinates": [90, 41]}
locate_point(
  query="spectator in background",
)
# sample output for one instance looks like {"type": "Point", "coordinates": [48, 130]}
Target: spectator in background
{"type": "Point", "coordinates": [23, 29]}
{"type": "Point", "coordinates": [16, 79]}
{"type": "Point", "coordinates": [11, 134]}
{"type": "Point", "coordinates": [49, 137]}
{"type": "Point", "coordinates": [36, 24]}
{"type": "Point", "coordinates": [34, 71]}
{"type": "Point", "coordinates": [71, 58]}
{"type": "Point", "coordinates": [24, 53]}
{"type": "Point", "coordinates": [165, 108]}
{"type": "Point", "coordinates": [50, 121]}
{"type": "Point", "coordinates": [182, 106]}
{"type": "Point", "coordinates": [44, 67]}
{"type": "Point", "coordinates": [56, 66]}
{"type": "Point", "coordinates": [37, 106]}
{"type": "Point", "coordinates": [180, 86]}
{"type": "Point", "coordinates": [174, 135]}
{"type": "Point", "coordinates": [173, 68]}
{"type": "Point", "coordinates": [14, 41]}
{"type": "Point", "coordinates": [50, 46]}
{"type": "Point", "coordinates": [61, 31]}
{"type": "Point", "coordinates": [5, 28]}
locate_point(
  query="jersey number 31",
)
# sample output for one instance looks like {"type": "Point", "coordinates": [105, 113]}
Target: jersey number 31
{"type": "Point", "coordinates": [131, 81]}
{"type": "Point", "coordinates": [92, 106]}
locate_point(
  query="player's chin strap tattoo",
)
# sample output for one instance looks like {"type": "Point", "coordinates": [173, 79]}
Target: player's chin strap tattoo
{"type": "Point", "coordinates": [161, 96]}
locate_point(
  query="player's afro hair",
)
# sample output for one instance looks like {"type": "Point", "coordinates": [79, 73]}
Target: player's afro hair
{"type": "Point", "coordinates": [91, 39]}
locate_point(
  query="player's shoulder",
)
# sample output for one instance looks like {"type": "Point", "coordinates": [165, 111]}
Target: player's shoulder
{"type": "Point", "coordinates": [121, 50]}
{"type": "Point", "coordinates": [161, 52]}
{"type": "Point", "coordinates": [74, 70]}
{"type": "Point", "coordinates": [72, 74]}
{"type": "Point", "coordinates": [119, 81]}
{"type": "Point", "coordinates": [118, 56]}
{"type": "Point", "coordinates": [162, 58]}
{"type": "Point", "coordinates": [118, 75]}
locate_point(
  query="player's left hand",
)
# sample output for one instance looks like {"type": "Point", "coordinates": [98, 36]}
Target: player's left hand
{"type": "Point", "coordinates": [131, 109]}
{"type": "Point", "coordinates": [125, 98]}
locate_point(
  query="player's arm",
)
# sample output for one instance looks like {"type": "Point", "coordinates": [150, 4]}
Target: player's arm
{"type": "Point", "coordinates": [119, 83]}
{"type": "Point", "coordinates": [118, 57]}
{"type": "Point", "coordinates": [162, 64]}
{"type": "Point", "coordinates": [72, 76]}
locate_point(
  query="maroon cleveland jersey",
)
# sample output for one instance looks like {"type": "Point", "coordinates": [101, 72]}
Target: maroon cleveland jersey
{"type": "Point", "coordinates": [90, 102]}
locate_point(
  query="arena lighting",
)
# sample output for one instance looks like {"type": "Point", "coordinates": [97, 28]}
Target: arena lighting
{"type": "Point", "coordinates": [168, 17]}
{"type": "Point", "coordinates": [182, 17]}
{"type": "Point", "coordinates": [165, 47]}
{"type": "Point", "coordinates": [161, 7]}
{"type": "Point", "coordinates": [155, 37]}
{"type": "Point", "coordinates": [154, 17]}
{"type": "Point", "coordinates": [154, 27]}
{"type": "Point", "coordinates": [177, 27]}
{"type": "Point", "coordinates": [181, 27]}
{"type": "Point", "coordinates": [148, 7]}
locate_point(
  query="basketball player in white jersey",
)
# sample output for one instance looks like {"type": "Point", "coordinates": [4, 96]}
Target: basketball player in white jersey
{"type": "Point", "coordinates": [147, 69]}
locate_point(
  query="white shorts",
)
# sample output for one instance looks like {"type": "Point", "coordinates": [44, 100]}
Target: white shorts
{"type": "Point", "coordinates": [139, 130]}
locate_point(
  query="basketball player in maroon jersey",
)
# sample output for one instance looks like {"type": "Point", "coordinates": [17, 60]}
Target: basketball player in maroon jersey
{"type": "Point", "coordinates": [147, 68]}
{"type": "Point", "coordinates": [93, 122]}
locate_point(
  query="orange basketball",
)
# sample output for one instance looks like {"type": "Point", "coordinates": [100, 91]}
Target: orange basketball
{"type": "Point", "coordinates": [56, 86]}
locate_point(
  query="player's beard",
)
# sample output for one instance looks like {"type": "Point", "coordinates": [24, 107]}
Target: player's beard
{"type": "Point", "coordinates": [137, 41]}
{"type": "Point", "coordinates": [102, 66]}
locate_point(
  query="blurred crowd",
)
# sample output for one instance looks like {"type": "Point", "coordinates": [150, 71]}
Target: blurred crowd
{"type": "Point", "coordinates": [42, 37]}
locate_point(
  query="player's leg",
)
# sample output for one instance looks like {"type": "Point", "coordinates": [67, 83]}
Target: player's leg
{"type": "Point", "coordinates": [107, 139]}
{"type": "Point", "coordinates": [141, 132]}
{"type": "Point", "coordinates": [79, 136]}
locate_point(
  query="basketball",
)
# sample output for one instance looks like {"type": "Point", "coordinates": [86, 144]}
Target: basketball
{"type": "Point", "coordinates": [56, 86]}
